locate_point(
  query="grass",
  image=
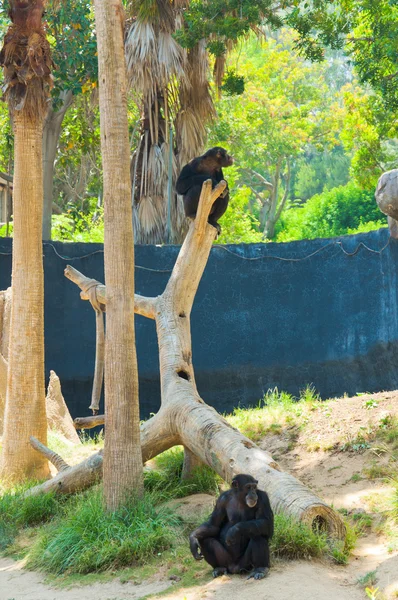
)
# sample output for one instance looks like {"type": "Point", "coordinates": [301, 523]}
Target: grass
{"type": "Point", "coordinates": [274, 413]}
{"type": "Point", "coordinates": [17, 514]}
{"type": "Point", "coordinates": [369, 579]}
{"type": "Point", "coordinates": [77, 536]}
{"type": "Point", "coordinates": [74, 536]}
{"type": "Point", "coordinates": [87, 539]}
{"type": "Point", "coordinates": [165, 477]}
{"type": "Point", "coordinates": [294, 540]}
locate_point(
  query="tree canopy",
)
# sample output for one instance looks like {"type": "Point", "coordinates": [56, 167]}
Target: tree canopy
{"type": "Point", "coordinates": [304, 95]}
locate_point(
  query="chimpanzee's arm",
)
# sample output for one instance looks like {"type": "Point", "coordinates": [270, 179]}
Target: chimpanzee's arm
{"type": "Point", "coordinates": [210, 528]}
{"type": "Point", "coordinates": [263, 524]}
{"type": "Point", "coordinates": [186, 181]}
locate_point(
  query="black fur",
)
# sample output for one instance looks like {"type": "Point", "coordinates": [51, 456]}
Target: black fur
{"type": "Point", "coordinates": [195, 173]}
{"type": "Point", "coordinates": [236, 536]}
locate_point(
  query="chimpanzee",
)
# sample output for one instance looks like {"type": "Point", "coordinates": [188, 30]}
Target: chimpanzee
{"type": "Point", "coordinates": [235, 538]}
{"type": "Point", "coordinates": [195, 173]}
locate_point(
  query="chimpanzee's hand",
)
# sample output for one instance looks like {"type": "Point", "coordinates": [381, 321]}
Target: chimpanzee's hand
{"type": "Point", "coordinates": [195, 547]}
{"type": "Point", "coordinates": [225, 192]}
{"type": "Point", "coordinates": [232, 536]}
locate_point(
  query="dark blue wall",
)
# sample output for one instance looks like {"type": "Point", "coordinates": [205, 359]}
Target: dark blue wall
{"type": "Point", "coordinates": [265, 315]}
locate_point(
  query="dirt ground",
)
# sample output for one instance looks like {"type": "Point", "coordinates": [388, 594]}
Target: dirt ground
{"type": "Point", "coordinates": [317, 459]}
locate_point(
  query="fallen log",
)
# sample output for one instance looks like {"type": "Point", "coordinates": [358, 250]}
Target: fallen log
{"type": "Point", "coordinates": [184, 418]}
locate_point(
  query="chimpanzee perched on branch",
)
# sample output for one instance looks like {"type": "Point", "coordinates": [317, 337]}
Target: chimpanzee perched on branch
{"type": "Point", "coordinates": [235, 538]}
{"type": "Point", "coordinates": [195, 173]}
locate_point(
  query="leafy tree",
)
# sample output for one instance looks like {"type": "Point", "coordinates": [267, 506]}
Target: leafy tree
{"type": "Point", "coordinates": [319, 170]}
{"type": "Point", "coordinates": [367, 29]}
{"type": "Point", "coordinates": [72, 36]}
{"type": "Point", "coordinates": [342, 210]}
{"type": "Point", "coordinates": [238, 224]}
{"type": "Point", "coordinates": [70, 32]}
{"type": "Point", "coordinates": [370, 132]}
{"type": "Point", "coordinates": [286, 110]}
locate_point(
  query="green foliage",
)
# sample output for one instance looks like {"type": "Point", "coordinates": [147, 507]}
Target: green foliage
{"type": "Point", "coordinates": [223, 21]}
{"type": "Point", "coordinates": [17, 513]}
{"type": "Point", "coordinates": [286, 116]}
{"type": "Point", "coordinates": [294, 540]}
{"type": "Point", "coordinates": [340, 551]}
{"type": "Point", "coordinates": [370, 132]}
{"type": "Point", "coordinates": [88, 538]}
{"type": "Point", "coordinates": [335, 212]}
{"type": "Point", "coordinates": [166, 478]}
{"type": "Point", "coordinates": [367, 30]}
{"type": "Point", "coordinates": [318, 171]}
{"type": "Point", "coordinates": [72, 35]}
{"type": "Point", "coordinates": [238, 225]}
{"type": "Point", "coordinates": [6, 138]}
{"type": "Point", "coordinates": [233, 84]}
{"type": "Point", "coordinates": [75, 226]}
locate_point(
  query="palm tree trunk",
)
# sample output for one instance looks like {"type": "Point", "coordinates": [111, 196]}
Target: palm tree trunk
{"type": "Point", "coordinates": [25, 413]}
{"type": "Point", "coordinates": [122, 453]}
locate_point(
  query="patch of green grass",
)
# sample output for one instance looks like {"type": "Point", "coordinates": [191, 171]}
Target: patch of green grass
{"type": "Point", "coordinates": [73, 453]}
{"type": "Point", "coordinates": [166, 481]}
{"type": "Point", "coordinates": [87, 538]}
{"type": "Point", "coordinates": [274, 411]}
{"type": "Point", "coordinates": [388, 430]}
{"type": "Point", "coordinates": [340, 551]}
{"type": "Point", "coordinates": [17, 512]}
{"type": "Point", "coordinates": [369, 579]}
{"type": "Point", "coordinates": [362, 521]}
{"type": "Point", "coordinates": [356, 477]}
{"type": "Point", "coordinates": [294, 540]}
{"type": "Point", "coordinates": [370, 403]}
{"type": "Point", "coordinates": [377, 471]}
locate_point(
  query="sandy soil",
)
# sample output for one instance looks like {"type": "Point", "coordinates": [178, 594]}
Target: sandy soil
{"type": "Point", "coordinates": [329, 473]}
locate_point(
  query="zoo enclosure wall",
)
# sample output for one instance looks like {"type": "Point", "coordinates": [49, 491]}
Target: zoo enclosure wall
{"type": "Point", "coordinates": [320, 312]}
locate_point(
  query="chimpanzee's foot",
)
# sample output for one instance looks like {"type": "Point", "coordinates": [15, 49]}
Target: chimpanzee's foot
{"type": "Point", "coordinates": [218, 571]}
{"type": "Point", "coordinates": [259, 573]}
{"type": "Point", "coordinates": [216, 225]}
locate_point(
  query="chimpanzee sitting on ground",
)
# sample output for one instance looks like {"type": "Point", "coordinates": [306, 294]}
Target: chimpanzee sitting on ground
{"type": "Point", "coordinates": [195, 173]}
{"type": "Point", "coordinates": [235, 538]}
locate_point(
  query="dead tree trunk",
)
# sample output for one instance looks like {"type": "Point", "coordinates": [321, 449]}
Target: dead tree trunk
{"type": "Point", "coordinates": [183, 417]}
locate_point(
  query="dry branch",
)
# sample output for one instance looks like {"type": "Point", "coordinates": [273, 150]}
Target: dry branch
{"type": "Point", "coordinates": [52, 456]}
{"type": "Point", "coordinates": [89, 422]}
{"type": "Point", "coordinates": [183, 417]}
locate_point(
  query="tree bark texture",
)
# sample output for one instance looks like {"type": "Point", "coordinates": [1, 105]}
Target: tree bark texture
{"type": "Point", "coordinates": [3, 390]}
{"type": "Point", "coordinates": [183, 417]}
{"type": "Point", "coordinates": [122, 453]}
{"type": "Point", "coordinates": [5, 321]}
{"type": "Point", "coordinates": [25, 412]}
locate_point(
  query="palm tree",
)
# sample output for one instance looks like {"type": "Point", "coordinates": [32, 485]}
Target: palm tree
{"type": "Point", "coordinates": [122, 454]}
{"type": "Point", "coordinates": [171, 86]}
{"type": "Point", "coordinates": [27, 74]}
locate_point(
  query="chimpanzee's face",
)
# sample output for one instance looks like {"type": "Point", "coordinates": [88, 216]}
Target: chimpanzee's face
{"type": "Point", "coordinates": [251, 494]}
{"type": "Point", "coordinates": [246, 487]}
{"type": "Point", "coordinates": [223, 158]}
